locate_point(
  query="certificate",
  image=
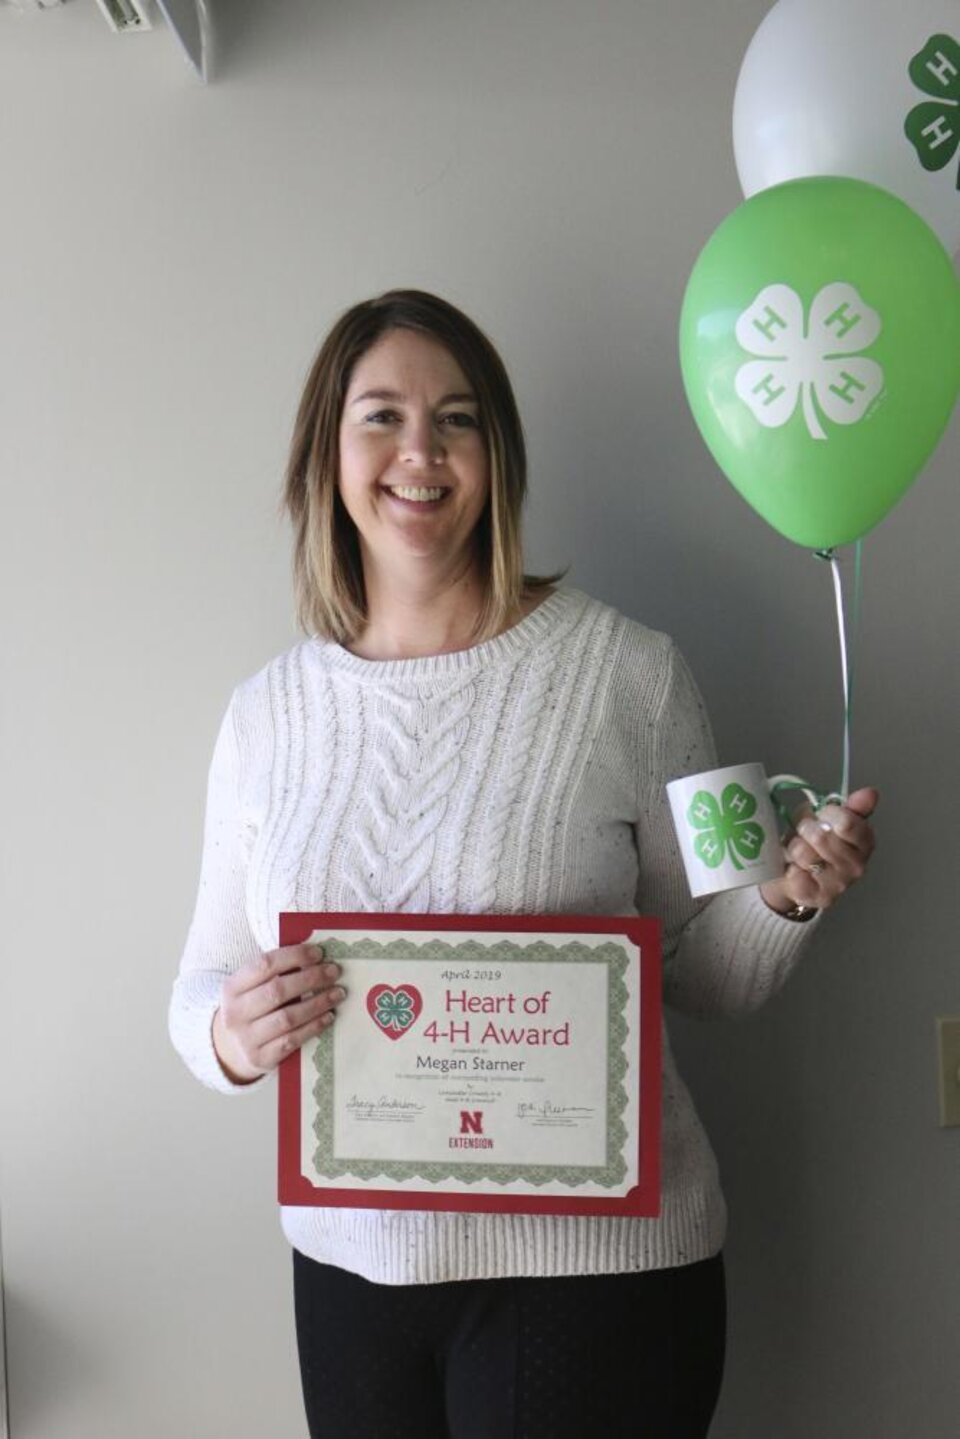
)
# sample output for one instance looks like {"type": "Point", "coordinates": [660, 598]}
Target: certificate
{"type": "Point", "coordinates": [479, 1063]}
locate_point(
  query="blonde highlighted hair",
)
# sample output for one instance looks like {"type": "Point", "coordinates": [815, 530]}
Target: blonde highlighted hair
{"type": "Point", "coordinates": [328, 573]}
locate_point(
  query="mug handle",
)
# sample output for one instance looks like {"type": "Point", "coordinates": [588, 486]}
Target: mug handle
{"type": "Point", "coordinates": [780, 783]}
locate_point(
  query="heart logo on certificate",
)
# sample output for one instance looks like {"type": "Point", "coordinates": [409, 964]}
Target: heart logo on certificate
{"type": "Point", "coordinates": [394, 1010]}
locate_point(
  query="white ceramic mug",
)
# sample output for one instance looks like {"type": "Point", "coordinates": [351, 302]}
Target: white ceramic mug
{"type": "Point", "coordinates": [727, 828]}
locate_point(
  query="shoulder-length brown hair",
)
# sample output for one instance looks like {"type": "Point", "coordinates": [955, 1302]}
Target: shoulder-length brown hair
{"type": "Point", "coordinates": [328, 574]}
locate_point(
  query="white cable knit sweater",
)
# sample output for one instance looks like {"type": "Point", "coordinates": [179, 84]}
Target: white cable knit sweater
{"type": "Point", "coordinates": [523, 776]}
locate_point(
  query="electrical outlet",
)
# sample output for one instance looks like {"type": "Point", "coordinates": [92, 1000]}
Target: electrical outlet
{"type": "Point", "coordinates": [948, 1055]}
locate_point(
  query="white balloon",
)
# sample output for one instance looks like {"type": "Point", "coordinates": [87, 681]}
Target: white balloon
{"type": "Point", "coordinates": [825, 89]}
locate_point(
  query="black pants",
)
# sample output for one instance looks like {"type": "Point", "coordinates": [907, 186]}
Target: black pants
{"type": "Point", "coordinates": [598, 1357]}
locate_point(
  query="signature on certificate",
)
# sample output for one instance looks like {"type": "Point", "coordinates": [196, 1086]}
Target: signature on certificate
{"type": "Point", "coordinates": [383, 1107]}
{"type": "Point", "coordinates": [545, 1111]}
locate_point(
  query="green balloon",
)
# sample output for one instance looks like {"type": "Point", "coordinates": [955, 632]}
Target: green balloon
{"type": "Point", "coordinates": [820, 349]}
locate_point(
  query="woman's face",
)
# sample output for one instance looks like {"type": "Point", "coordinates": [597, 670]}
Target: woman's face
{"type": "Point", "coordinates": [414, 472]}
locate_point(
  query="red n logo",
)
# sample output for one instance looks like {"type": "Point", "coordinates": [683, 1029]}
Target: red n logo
{"type": "Point", "coordinates": [471, 1121]}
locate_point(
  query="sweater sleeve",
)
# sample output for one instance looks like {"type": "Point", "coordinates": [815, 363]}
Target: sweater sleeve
{"type": "Point", "coordinates": [219, 940]}
{"type": "Point", "coordinates": [727, 954]}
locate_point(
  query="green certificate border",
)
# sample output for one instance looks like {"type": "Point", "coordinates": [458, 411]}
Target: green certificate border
{"type": "Point", "coordinates": [328, 1167]}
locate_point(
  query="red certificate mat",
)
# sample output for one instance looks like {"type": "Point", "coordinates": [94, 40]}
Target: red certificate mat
{"type": "Point", "coordinates": [484, 1063]}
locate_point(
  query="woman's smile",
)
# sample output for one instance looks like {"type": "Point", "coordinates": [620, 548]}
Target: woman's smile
{"type": "Point", "coordinates": [419, 496]}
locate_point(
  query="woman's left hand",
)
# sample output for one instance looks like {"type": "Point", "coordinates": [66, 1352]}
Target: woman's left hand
{"type": "Point", "coordinates": [828, 852]}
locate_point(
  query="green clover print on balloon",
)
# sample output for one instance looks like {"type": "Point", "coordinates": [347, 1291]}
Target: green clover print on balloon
{"type": "Point", "coordinates": [933, 127]}
{"type": "Point", "coordinates": [803, 362]}
{"type": "Point", "coordinates": [725, 826]}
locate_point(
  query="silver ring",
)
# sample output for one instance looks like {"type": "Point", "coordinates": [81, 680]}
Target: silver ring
{"type": "Point", "coordinates": [818, 868]}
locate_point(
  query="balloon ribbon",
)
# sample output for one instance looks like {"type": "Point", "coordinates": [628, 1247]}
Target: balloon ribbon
{"type": "Point", "coordinates": [847, 632]}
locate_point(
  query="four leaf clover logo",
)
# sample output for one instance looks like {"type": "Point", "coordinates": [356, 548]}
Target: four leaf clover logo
{"type": "Point", "coordinates": [806, 362]}
{"type": "Point", "coordinates": [933, 127]}
{"type": "Point", "coordinates": [725, 826]}
{"type": "Point", "coordinates": [394, 1010]}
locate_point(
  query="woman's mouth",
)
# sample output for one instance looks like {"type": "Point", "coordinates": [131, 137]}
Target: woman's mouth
{"type": "Point", "coordinates": [416, 494]}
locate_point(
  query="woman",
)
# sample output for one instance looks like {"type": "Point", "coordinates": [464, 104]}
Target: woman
{"type": "Point", "coordinates": [457, 737]}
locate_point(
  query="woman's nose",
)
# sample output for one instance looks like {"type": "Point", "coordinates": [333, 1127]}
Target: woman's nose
{"type": "Point", "coordinates": [422, 441]}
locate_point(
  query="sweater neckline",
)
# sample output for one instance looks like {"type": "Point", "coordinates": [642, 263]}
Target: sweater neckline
{"type": "Point", "coordinates": [552, 618]}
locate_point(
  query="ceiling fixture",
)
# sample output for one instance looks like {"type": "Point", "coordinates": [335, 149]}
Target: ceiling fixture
{"type": "Point", "coordinates": [188, 19]}
{"type": "Point", "coordinates": [124, 15]}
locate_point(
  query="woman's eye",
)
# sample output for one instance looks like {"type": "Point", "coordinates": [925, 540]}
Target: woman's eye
{"type": "Point", "coordinates": [456, 419]}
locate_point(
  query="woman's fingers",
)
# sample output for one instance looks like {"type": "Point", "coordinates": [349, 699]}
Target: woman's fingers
{"type": "Point", "coordinates": [802, 888]}
{"type": "Point", "coordinates": [830, 850]}
{"type": "Point", "coordinates": [305, 1017]}
{"type": "Point", "coordinates": [273, 1005]}
{"type": "Point", "coordinates": [863, 802]}
{"type": "Point", "coordinates": [839, 836]}
{"type": "Point", "coordinates": [269, 967]}
{"type": "Point", "coordinates": [283, 990]}
{"type": "Point", "coordinates": [800, 853]}
{"type": "Point", "coordinates": [848, 827]}
{"type": "Point", "coordinates": [285, 1030]}
{"type": "Point", "coordinates": [275, 979]}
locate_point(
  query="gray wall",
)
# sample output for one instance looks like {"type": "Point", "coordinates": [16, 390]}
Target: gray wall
{"type": "Point", "coordinates": [169, 257]}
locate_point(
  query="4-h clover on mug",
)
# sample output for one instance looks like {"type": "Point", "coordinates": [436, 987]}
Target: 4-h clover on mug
{"type": "Point", "coordinates": [727, 828]}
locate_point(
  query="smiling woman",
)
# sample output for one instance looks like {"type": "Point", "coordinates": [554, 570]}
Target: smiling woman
{"type": "Point", "coordinates": [414, 479]}
{"type": "Point", "coordinates": [407, 397]}
{"type": "Point", "coordinates": [456, 737]}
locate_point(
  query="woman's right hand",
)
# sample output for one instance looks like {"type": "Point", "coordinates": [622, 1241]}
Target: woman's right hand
{"type": "Point", "coordinates": [271, 1007]}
